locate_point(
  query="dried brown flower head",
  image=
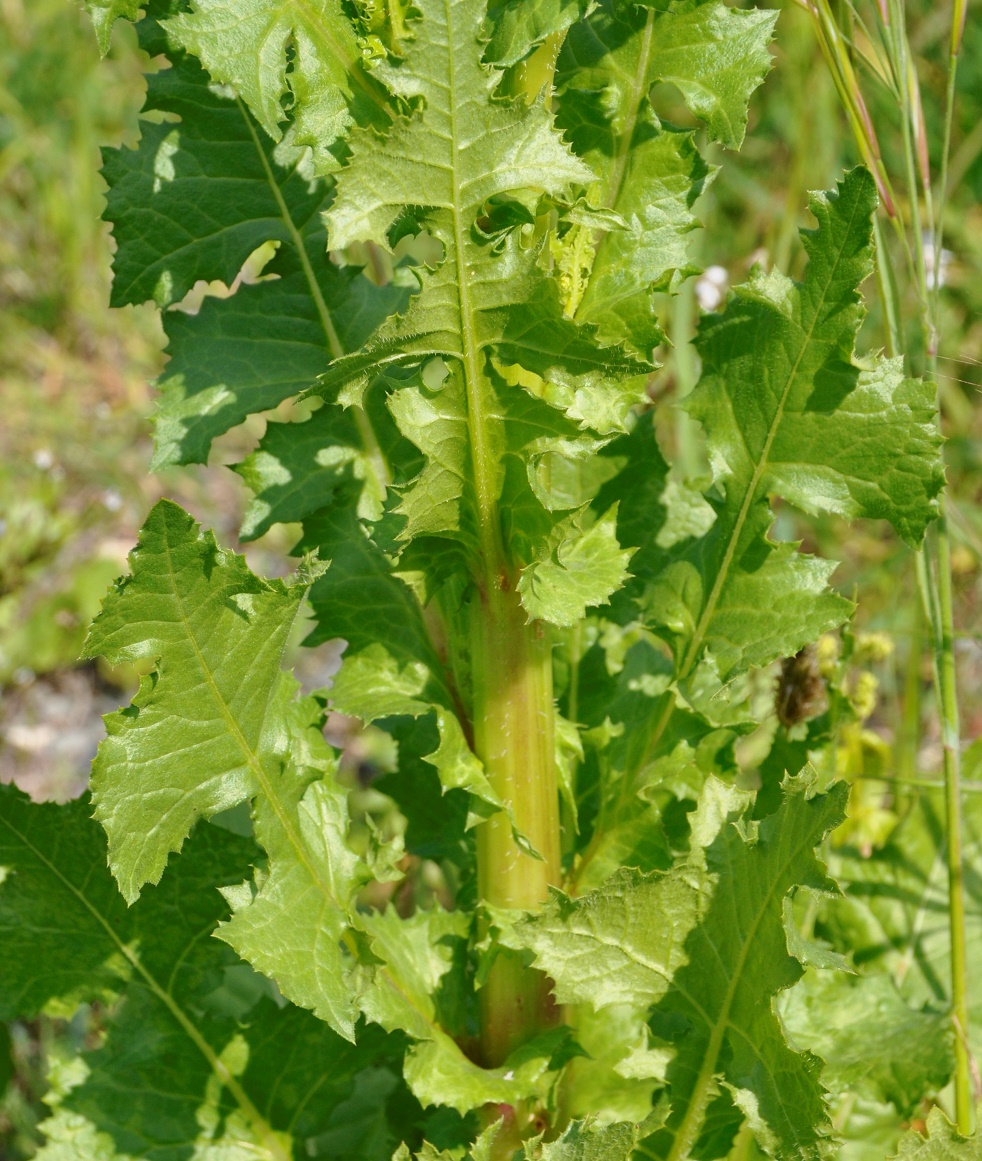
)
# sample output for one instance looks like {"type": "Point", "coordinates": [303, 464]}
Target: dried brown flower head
{"type": "Point", "coordinates": [800, 693]}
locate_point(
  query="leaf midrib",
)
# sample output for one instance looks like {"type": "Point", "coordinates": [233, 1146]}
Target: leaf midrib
{"type": "Point", "coordinates": [366, 432]}
{"type": "Point", "coordinates": [252, 758]}
{"type": "Point", "coordinates": [688, 1130]}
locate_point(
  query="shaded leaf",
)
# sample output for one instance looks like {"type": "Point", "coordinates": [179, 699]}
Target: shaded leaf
{"type": "Point", "coordinates": [719, 1005]}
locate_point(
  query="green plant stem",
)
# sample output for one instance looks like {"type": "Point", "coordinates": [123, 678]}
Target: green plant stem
{"type": "Point", "coordinates": [514, 709]}
{"type": "Point", "coordinates": [910, 724]}
{"type": "Point", "coordinates": [918, 783]}
{"type": "Point", "coordinates": [889, 294]}
{"type": "Point", "coordinates": [902, 52]}
{"type": "Point", "coordinates": [936, 594]}
{"type": "Point", "coordinates": [951, 743]}
{"type": "Point", "coordinates": [946, 680]}
{"type": "Point", "coordinates": [514, 738]}
{"type": "Point", "coordinates": [938, 236]}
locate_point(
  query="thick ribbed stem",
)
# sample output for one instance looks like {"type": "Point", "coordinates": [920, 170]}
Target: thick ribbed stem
{"type": "Point", "coordinates": [514, 738]}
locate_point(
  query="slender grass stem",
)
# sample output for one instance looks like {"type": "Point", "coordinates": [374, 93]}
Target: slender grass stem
{"type": "Point", "coordinates": [937, 238]}
{"type": "Point", "coordinates": [918, 783]}
{"type": "Point", "coordinates": [944, 657]}
{"type": "Point", "coordinates": [951, 743]}
{"type": "Point", "coordinates": [902, 49]}
{"type": "Point", "coordinates": [888, 291]}
{"type": "Point", "coordinates": [909, 731]}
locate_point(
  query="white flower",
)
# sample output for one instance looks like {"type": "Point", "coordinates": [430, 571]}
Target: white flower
{"type": "Point", "coordinates": [711, 287]}
{"type": "Point", "coordinates": [927, 245]}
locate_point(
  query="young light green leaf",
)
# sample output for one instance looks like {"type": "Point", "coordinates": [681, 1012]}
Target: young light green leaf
{"type": "Point", "coordinates": [942, 1143]}
{"type": "Point", "coordinates": [716, 56]}
{"type": "Point", "coordinates": [578, 567]}
{"type": "Point", "coordinates": [72, 1137]}
{"type": "Point", "coordinates": [519, 25]}
{"type": "Point", "coordinates": [417, 957]}
{"type": "Point", "coordinates": [532, 450]}
{"type": "Point", "coordinates": [619, 944]}
{"type": "Point", "coordinates": [459, 151]}
{"type": "Point", "coordinates": [624, 1068]}
{"type": "Point", "coordinates": [609, 278]}
{"type": "Point", "coordinates": [470, 151]}
{"type": "Point", "coordinates": [198, 612]}
{"type": "Point", "coordinates": [726, 607]}
{"type": "Point", "coordinates": [326, 65]}
{"type": "Point", "coordinates": [206, 729]}
{"type": "Point", "coordinates": [441, 500]}
{"type": "Point", "coordinates": [816, 412]}
{"type": "Point", "coordinates": [105, 13]}
{"type": "Point", "coordinates": [292, 928]}
{"type": "Point", "coordinates": [582, 1141]}
{"type": "Point", "coordinates": [649, 175]}
{"type": "Point", "coordinates": [371, 685]}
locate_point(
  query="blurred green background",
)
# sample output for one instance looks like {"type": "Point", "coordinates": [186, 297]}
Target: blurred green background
{"type": "Point", "coordinates": [75, 408]}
